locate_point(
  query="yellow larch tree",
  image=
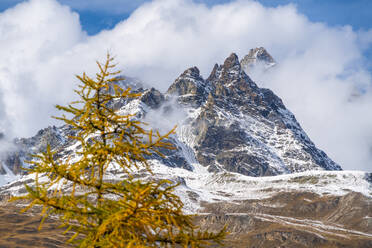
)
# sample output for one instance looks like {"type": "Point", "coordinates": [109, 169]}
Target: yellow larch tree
{"type": "Point", "coordinates": [111, 213]}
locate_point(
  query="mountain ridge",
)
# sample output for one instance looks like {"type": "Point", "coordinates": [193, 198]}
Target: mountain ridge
{"type": "Point", "coordinates": [229, 89]}
{"type": "Point", "coordinates": [242, 160]}
{"type": "Point", "coordinates": [235, 125]}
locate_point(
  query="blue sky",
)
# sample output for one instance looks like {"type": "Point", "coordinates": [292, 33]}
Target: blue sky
{"type": "Point", "coordinates": [95, 15]}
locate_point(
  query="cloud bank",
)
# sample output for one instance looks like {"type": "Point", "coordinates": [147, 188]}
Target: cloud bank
{"type": "Point", "coordinates": [322, 75]}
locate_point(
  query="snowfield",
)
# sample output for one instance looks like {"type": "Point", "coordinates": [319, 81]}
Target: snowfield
{"type": "Point", "coordinates": [199, 185]}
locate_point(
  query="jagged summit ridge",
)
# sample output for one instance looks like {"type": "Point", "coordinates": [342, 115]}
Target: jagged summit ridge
{"type": "Point", "coordinates": [229, 73]}
{"type": "Point", "coordinates": [190, 85]}
{"type": "Point", "coordinates": [243, 128]}
{"type": "Point", "coordinates": [231, 125]}
{"type": "Point", "coordinates": [257, 56]}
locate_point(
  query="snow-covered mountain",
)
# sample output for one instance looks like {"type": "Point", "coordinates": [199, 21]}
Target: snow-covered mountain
{"type": "Point", "coordinates": [230, 124]}
{"type": "Point", "coordinates": [237, 126]}
{"type": "Point", "coordinates": [238, 149]}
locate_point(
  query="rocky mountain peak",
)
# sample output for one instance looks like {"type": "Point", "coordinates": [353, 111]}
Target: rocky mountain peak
{"type": "Point", "coordinates": [231, 62]}
{"type": "Point", "coordinates": [152, 98]}
{"type": "Point", "coordinates": [229, 71]}
{"type": "Point", "coordinates": [192, 72]}
{"type": "Point", "coordinates": [230, 79]}
{"type": "Point", "coordinates": [240, 125]}
{"type": "Point", "coordinates": [214, 73]}
{"type": "Point", "coordinates": [257, 56]}
{"type": "Point", "coordinates": [190, 86]}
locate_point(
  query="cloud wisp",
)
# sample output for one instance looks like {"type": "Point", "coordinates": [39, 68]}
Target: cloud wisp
{"type": "Point", "coordinates": [322, 75]}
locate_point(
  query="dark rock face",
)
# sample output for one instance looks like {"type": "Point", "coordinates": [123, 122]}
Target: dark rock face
{"type": "Point", "coordinates": [369, 177]}
{"type": "Point", "coordinates": [14, 163]}
{"type": "Point", "coordinates": [2, 170]}
{"type": "Point", "coordinates": [241, 127]}
{"type": "Point", "coordinates": [153, 98]}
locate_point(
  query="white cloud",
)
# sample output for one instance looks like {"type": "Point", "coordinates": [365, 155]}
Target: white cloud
{"type": "Point", "coordinates": [33, 35]}
{"type": "Point", "coordinates": [42, 46]}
